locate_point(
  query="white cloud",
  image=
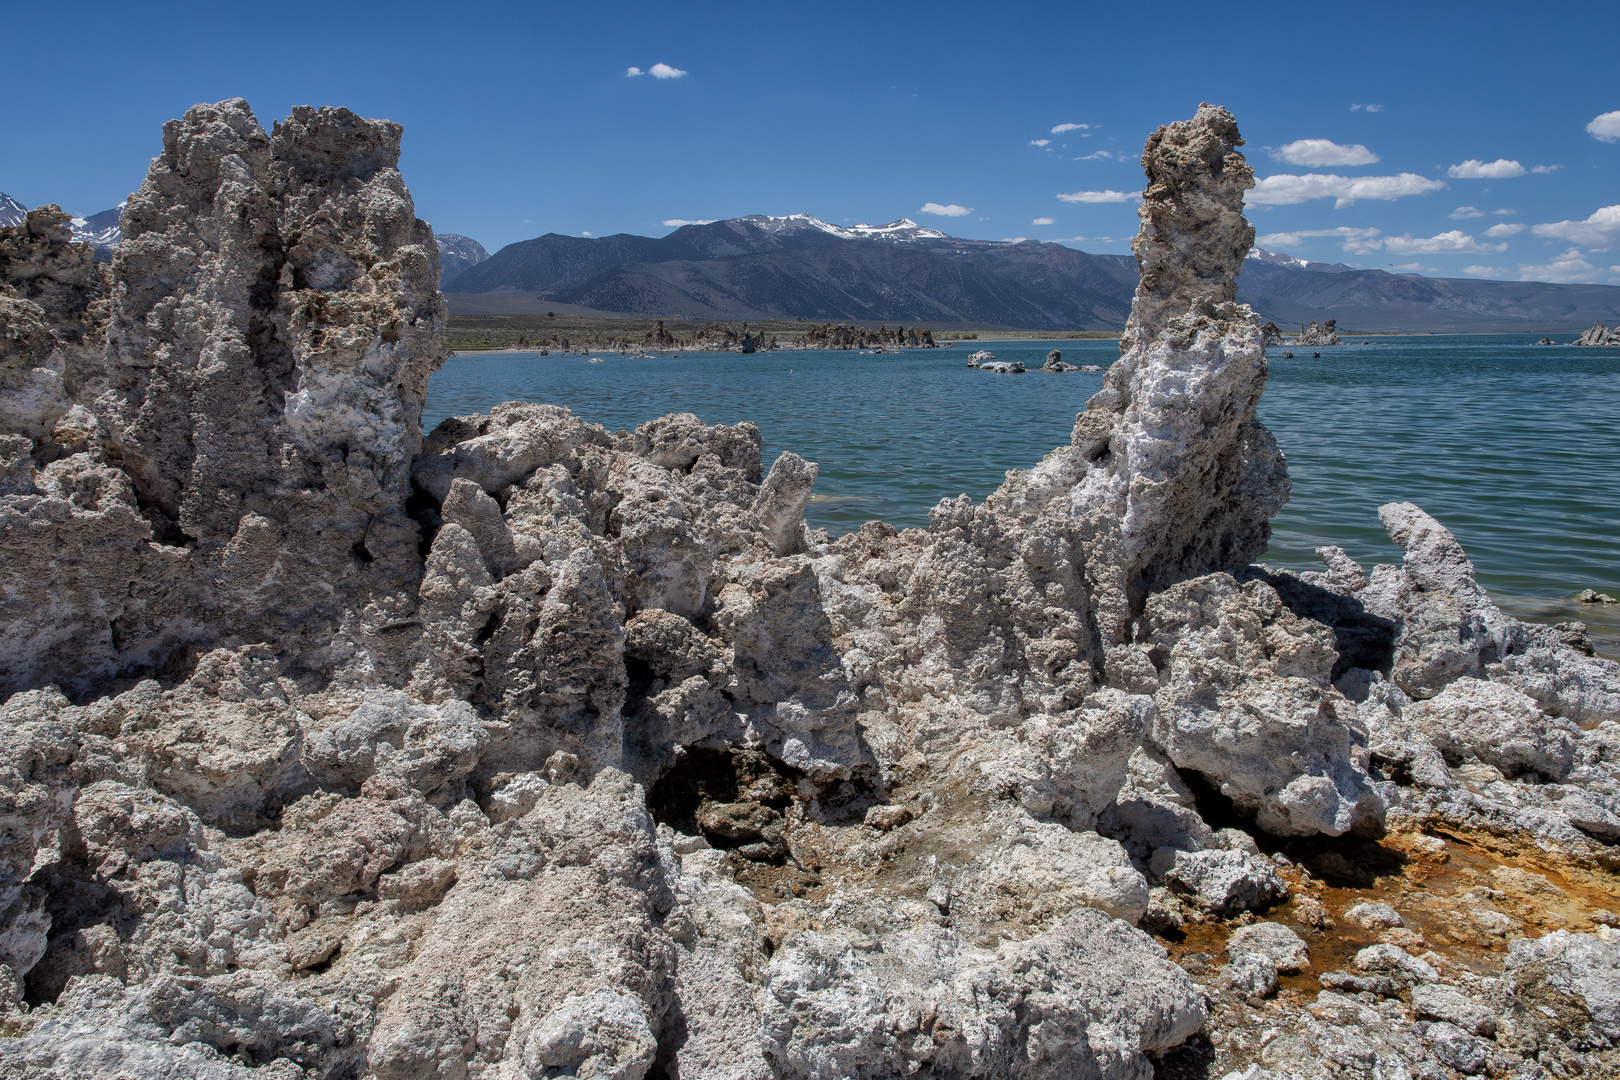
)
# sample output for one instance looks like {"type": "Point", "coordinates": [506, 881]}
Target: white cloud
{"type": "Point", "coordinates": [1506, 228]}
{"type": "Point", "coordinates": [945, 211]}
{"type": "Point", "coordinates": [1600, 231]}
{"type": "Point", "coordinates": [585, 234]}
{"type": "Point", "coordinates": [1100, 196]}
{"type": "Point", "coordinates": [1463, 213]}
{"type": "Point", "coordinates": [1040, 142]}
{"type": "Point", "coordinates": [1095, 156]}
{"type": "Point", "coordinates": [1571, 266]}
{"type": "Point", "coordinates": [1413, 268]}
{"type": "Point", "coordinates": [676, 222]}
{"type": "Point", "coordinates": [1013, 239]}
{"type": "Point", "coordinates": [1504, 212]}
{"type": "Point", "coordinates": [1474, 169]}
{"type": "Point", "coordinates": [1447, 243]}
{"type": "Point", "coordinates": [1368, 108]}
{"type": "Point", "coordinates": [1544, 169]}
{"type": "Point", "coordinates": [1044, 221]}
{"type": "Point", "coordinates": [1061, 128]}
{"type": "Point", "coordinates": [1355, 241]}
{"type": "Point", "coordinates": [664, 71]}
{"type": "Point", "coordinates": [633, 72]}
{"type": "Point", "coordinates": [1487, 271]}
{"type": "Point", "coordinates": [1286, 189]}
{"type": "Point", "coordinates": [1315, 153]}
{"type": "Point", "coordinates": [1605, 127]}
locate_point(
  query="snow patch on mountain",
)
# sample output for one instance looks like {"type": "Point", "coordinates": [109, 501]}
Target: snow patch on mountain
{"type": "Point", "coordinates": [903, 229]}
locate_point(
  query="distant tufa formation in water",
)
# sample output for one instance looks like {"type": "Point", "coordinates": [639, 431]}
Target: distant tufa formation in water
{"type": "Point", "coordinates": [525, 748]}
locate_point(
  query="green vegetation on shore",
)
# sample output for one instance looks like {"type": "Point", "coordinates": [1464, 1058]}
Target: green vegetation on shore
{"type": "Point", "coordinates": [469, 333]}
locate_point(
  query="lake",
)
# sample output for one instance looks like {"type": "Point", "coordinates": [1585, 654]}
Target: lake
{"type": "Point", "coordinates": [1512, 446]}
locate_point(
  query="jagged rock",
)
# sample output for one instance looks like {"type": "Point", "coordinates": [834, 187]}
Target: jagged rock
{"type": "Point", "coordinates": [1225, 882]}
{"type": "Point", "coordinates": [1315, 335]}
{"type": "Point", "coordinates": [1002, 367]}
{"type": "Point", "coordinates": [1285, 949]}
{"type": "Point", "coordinates": [1055, 362]}
{"type": "Point", "coordinates": [1599, 335]}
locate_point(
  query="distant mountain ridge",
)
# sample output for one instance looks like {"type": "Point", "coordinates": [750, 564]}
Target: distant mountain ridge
{"type": "Point", "coordinates": [797, 265]}
{"type": "Point", "coordinates": [457, 253]}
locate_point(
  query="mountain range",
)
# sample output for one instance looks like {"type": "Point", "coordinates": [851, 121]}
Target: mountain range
{"type": "Point", "coordinates": [760, 267]}
{"type": "Point", "coordinates": [101, 230]}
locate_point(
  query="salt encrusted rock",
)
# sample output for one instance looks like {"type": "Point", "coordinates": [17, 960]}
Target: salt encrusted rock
{"type": "Point", "coordinates": [274, 320]}
{"type": "Point", "coordinates": [1250, 973]}
{"type": "Point", "coordinates": [1432, 1001]}
{"type": "Point", "coordinates": [1315, 335]}
{"type": "Point", "coordinates": [1493, 723]}
{"type": "Point", "coordinates": [1090, 998]}
{"type": "Point", "coordinates": [1599, 334]}
{"type": "Point", "coordinates": [1277, 943]}
{"type": "Point", "coordinates": [1373, 916]}
{"type": "Point", "coordinates": [1225, 882]}
{"type": "Point", "coordinates": [1575, 978]}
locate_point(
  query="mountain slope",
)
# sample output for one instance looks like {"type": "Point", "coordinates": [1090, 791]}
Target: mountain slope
{"type": "Point", "coordinates": [759, 267]}
{"type": "Point", "coordinates": [457, 254]}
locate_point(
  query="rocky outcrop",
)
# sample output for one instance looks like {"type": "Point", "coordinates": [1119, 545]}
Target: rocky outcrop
{"type": "Point", "coordinates": [1600, 335]}
{"type": "Point", "coordinates": [1315, 335]}
{"type": "Point", "coordinates": [530, 748]}
{"type": "Point", "coordinates": [1055, 362]}
{"type": "Point", "coordinates": [240, 465]}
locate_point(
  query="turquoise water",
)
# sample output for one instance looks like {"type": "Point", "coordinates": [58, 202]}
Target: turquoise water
{"type": "Point", "coordinates": [1513, 446]}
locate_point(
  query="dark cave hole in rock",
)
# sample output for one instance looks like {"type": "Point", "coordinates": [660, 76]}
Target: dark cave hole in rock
{"type": "Point", "coordinates": [704, 779]}
{"type": "Point", "coordinates": [1348, 861]}
{"type": "Point", "coordinates": [359, 550]}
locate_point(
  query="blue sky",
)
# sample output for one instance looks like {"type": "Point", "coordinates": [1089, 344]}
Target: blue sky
{"type": "Point", "coordinates": [522, 119]}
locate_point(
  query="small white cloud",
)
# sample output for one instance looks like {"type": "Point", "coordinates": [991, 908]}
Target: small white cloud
{"type": "Point", "coordinates": [1571, 266]}
{"type": "Point", "coordinates": [1355, 241]}
{"type": "Point", "coordinates": [1368, 108]}
{"type": "Point", "coordinates": [1044, 221]}
{"type": "Point", "coordinates": [1487, 271]}
{"type": "Point", "coordinates": [585, 234]}
{"type": "Point", "coordinates": [1454, 242]}
{"type": "Point", "coordinates": [1463, 213]}
{"type": "Point", "coordinates": [1040, 142]}
{"type": "Point", "coordinates": [1544, 169]}
{"type": "Point", "coordinates": [633, 72]}
{"type": "Point", "coordinates": [676, 222]}
{"type": "Point", "coordinates": [1504, 212]}
{"type": "Point", "coordinates": [1605, 127]}
{"type": "Point", "coordinates": [1100, 196]}
{"type": "Point", "coordinates": [951, 210]}
{"type": "Point", "coordinates": [1601, 231]}
{"type": "Point", "coordinates": [1061, 128]}
{"type": "Point", "coordinates": [1095, 156]}
{"type": "Point", "coordinates": [1412, 267]}
{"type": "Point", "coordinates": [1013, 239]}
{"type": "Point", "coordinates": [664, 71]}
{"type": "Point", "coordinates": [1506, 228]}
{"type": "Point", "coordinates": [1286, 189]}
{"type": "Point", "coordinates": [1474, 169]}
{"type": "Point", "coordinates": [1318, 152]}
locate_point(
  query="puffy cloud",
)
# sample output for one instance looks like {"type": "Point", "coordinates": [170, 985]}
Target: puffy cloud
{"type": "Point", "coordinates": [1571, 266]}
{"type": "Point", "coordinates": [1044, 221]}
{"type": "Point", "coordinates": [1061, 128]}
{"type": "Point", "coordinates": [676, 222]}
{"type": "Point", "coordinates": [945, 211]}
{"type": "Point", "coordinates": [1600, 231]}
{"type": "Point", "coordinates": [1353, 240]}
{"type": "Point", "coordinates": [1315, 153]}
{"type": "Point", "coordinates": [1463, 213]}
{"type": "Point", "coordinates": [1040, 142]}
{"type": "Point", "coordinates": [633, 72]}
{"type": "Point", "coordinates": [1487, 271]}
{"type": "Point", "coordinates": [664, 71]}
{"type": "Point", "coordinates": [1100, 196]}
{"type": "Point", "coordinates": [1286, 189]}
{"type": "Point", "coordinates": [1368, 108]}
{"type": "Point", "coordinates": [1447, 243]}
{"type": "Point", "coordinates": [1544, 169]}
{"type": "Point", "coordinates": [1605, 127]}
{"type": "Point", "coordinates": [1506, 228]}
{"type": "Point", "coordinates": [1474, 169]}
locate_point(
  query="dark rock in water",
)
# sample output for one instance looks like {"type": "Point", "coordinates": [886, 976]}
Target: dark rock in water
{"type": "Point", "coordinates": [1271, 334]}
{"type": "Point", "coordinates": [1055, 362]}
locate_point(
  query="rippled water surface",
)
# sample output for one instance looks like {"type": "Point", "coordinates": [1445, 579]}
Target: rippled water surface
{"type": "Point", "coordinates": [1514, 447]}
